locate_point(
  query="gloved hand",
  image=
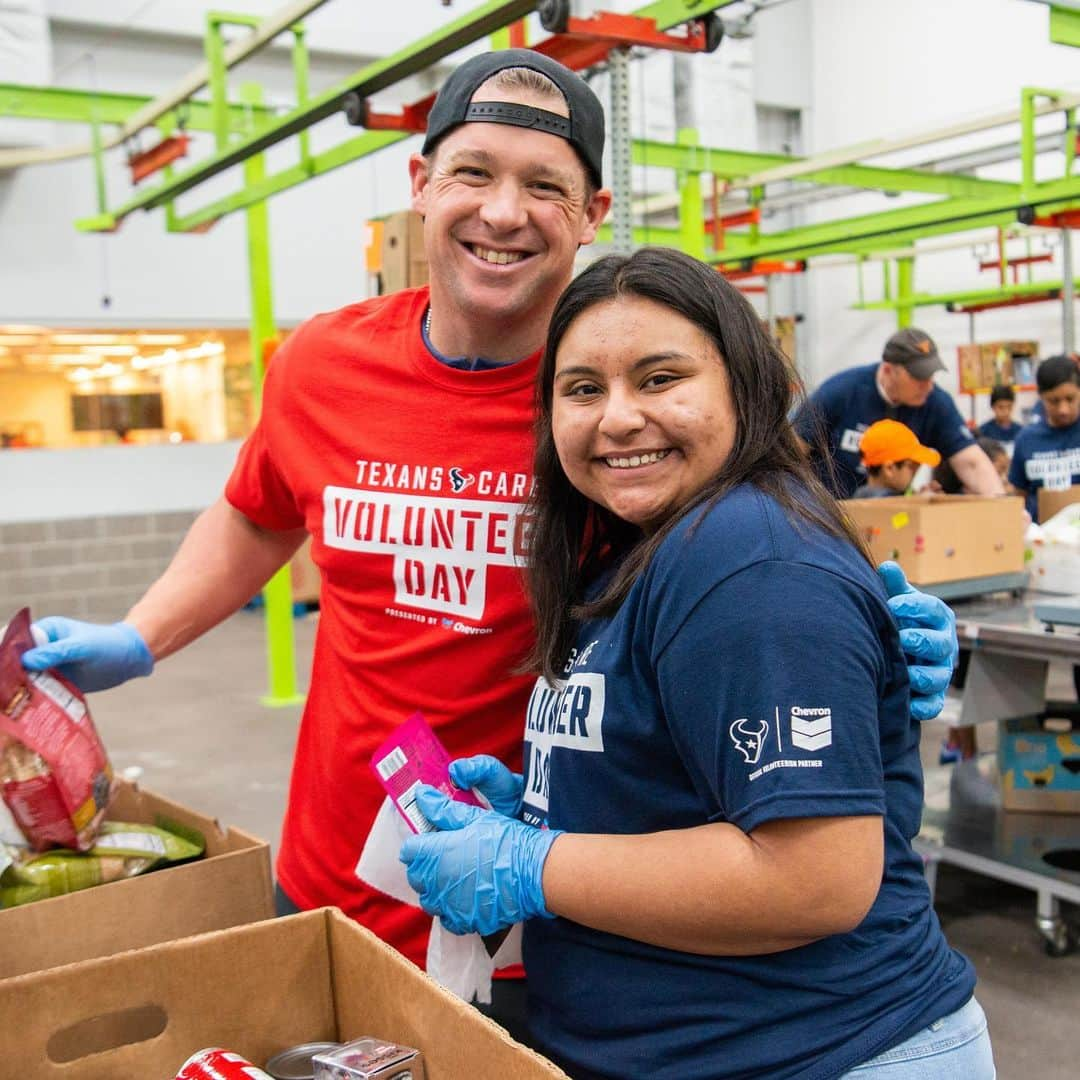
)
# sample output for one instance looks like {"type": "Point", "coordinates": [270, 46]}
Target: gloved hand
{"type": "Point", "coordinates": [482, 871]}
{"type": "Point", "coordinates": [492, 779]}
{"type": "Point", "coordinates": [91, 655]}
{"type": "Point", "coordinates": [928, 638]}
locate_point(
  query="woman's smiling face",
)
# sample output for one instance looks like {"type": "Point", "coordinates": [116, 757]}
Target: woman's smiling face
{"type": "Point", "coordinates": [642, 415]}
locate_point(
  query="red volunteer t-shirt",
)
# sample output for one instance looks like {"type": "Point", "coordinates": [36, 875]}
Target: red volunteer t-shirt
{"type": "Point", "coordinates": [411, 477]}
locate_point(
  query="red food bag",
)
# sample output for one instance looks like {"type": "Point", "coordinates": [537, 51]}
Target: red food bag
{"type": "Point", "coordinates": [55, 776]}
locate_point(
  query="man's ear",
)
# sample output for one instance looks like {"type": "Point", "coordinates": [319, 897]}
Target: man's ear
{"type": "Point", "coordinates": [419, 173]}
{"type": "Point", "coordinates": [595, 212]}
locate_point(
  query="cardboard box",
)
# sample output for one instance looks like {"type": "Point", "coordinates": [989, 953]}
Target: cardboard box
{"type": "Point", "coordinates": [1050, 502]}
{"type": "Point", "coordinates": [1040, 768]}
{"type": "Point", "coordinates": [255, 990]}
{"type": "Point", "coordinates": [404, 260]}
{"type": "Point", "coordinates": [937, 538]}
{"type": "Point", "coordinates": [230, 885]}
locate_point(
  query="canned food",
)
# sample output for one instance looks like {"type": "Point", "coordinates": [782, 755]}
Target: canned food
{"type": "Point", "coordinates": [295, 1063]}
{"type": "Point", "coordinates": [217, 1064]}
{"type": "Point", "coordinates": [370, 1059]}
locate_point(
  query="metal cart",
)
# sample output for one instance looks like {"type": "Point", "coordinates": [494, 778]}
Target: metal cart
{"type": "Point", "coordinates": [965, 824]}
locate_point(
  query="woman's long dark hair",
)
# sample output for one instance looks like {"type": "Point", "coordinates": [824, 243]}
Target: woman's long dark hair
{"type": "Point", "coordinates": [573, 538]}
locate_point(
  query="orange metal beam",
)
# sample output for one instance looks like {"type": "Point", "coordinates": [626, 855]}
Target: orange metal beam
{"type": "Point", "coordinates": [148, 162]}
{"type": "Point", "coordinates": [585, 43]}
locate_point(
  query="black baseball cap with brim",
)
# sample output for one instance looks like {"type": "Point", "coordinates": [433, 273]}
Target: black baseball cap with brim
{"type": "Point", "coordinates": [583, 129]}
{"type": "Point", "coordinates": [915, 350]}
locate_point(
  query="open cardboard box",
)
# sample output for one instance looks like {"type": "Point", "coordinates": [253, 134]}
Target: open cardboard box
{"type": "Point", "coordinates": [230, 885]}
{"type": "Point", "coordinates": [939, 538]}
{"type": "Point", "coordinates": [1050, 502]}
{"type": "Point", "coordinates": [252, 989]}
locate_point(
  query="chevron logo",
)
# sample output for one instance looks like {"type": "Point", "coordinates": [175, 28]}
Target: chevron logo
{"type": "Point", "coordinates": [811, 729]}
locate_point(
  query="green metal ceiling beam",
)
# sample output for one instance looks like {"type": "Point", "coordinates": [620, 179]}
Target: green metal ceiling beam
{"type": "Point", "coordinates": [416, 57]}
{"type": "Point", "coordinates": [422, 54]}
{"type": "Point", "coordinates": [972, 296]}
{"type": "Point", "coordinates": [891, 226]}
{"type": "Point", "coordinates": [730, 164]}
{"type": "Point", "coordinates": [68, 105]}
{"type": "Point", "coordinates": [670, 13]}
{"type": "Point", "coordinates": [1065, 26]}
{"type": "Point", "coordinates": [253, 193]}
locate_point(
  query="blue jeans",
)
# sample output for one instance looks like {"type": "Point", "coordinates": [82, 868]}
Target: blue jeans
{"type": "Point", "coordinates": [956, 1047]}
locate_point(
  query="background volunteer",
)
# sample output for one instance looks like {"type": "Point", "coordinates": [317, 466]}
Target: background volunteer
{"type": "Point", "coordinates": [1002, 426]}
{"type": "Point", "coordinates": [901, 387]}
{"type": "Point", "coordinates": [1047, 454]}
{"type": "Point", "coordinates": [891, 455]}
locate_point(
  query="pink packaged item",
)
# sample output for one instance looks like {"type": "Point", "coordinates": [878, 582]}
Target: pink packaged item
{"type": "Point", "coordinates": [54, 774]}
{"type": "Point", "coordinates": [413, 756]}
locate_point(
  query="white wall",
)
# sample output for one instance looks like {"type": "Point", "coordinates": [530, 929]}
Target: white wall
{"type": "Point", "coordinates": [881, 69]}
{"type": "Point", "coordinates": [107, 481]}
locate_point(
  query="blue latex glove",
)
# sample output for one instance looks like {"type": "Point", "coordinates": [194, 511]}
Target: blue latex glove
{"type": "Point", "coordinates": [482, 871]}
{"type": "Point", "coordinates": [91, 655]}
{"type": "Point", "coordinates": [492, 779]}
{"type": "Point", "coordinates": [928, 638]}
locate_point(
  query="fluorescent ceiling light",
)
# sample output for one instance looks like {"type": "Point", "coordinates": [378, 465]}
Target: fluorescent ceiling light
{"type": "Point", "coordinates": [18, 339]}
{"type": "Point", "coordinates": [85, 339]}
{"type": "Point", "coordinates": [161, 339]}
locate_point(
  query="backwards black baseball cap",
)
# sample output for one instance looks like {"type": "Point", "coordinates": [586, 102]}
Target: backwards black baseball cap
{"type": "Point", "coordinates": [583, 129]}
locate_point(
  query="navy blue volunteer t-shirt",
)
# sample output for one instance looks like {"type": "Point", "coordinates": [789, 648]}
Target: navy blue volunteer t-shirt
{"type": "Point", "coordinates": [753, 673]}
{"type": "Point", "coordinates": [1048, 457]}
{"type": "Point", "coordinates": [845, 405]}
{"type": "Point", "coordinates": [1004, 435]}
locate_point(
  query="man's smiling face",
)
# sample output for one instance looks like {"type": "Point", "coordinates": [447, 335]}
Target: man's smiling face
{"type": "Point", "coordinates": [505, 209]}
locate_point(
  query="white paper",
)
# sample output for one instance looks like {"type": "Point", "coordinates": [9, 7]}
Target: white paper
{"type": "Point", "coordinates": [458, 962]}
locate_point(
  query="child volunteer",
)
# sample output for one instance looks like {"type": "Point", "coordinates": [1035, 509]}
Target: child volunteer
{"type": "Point", "coordinates": [1048, 454]}
{"type": "Point", "coordinates": [1002, 427]}
{"type": "Point", "coordinates": [711, 843]}
{"type": "Point", "coordinates": [891, 455]}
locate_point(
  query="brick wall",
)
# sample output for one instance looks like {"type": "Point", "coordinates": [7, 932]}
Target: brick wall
{"type": "Point", "coordinates": [88, 568]}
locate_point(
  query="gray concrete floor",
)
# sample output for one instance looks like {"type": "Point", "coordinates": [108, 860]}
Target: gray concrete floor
{"type": "Point", "coordinates": [197, 732]}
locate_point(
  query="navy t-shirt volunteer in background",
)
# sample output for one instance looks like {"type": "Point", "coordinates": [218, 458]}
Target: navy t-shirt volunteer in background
{"type": "Point", "coordinates": [711, 844]}
{"type": "Point", "coordinates": [900, 387]}
{"type": "Point", "coordinates": [1002, 427]}
{"type": "Point", "coordinates": [1047, 454]}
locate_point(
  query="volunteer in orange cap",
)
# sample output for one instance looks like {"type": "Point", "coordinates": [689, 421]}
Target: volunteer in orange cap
{"type": "Point", "coordinates": [891, 455]}
{"type": "Point", "coordinates": [900, 387]}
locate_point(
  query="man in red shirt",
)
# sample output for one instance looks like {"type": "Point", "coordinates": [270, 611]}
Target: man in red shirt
{"type": "Point", "coordinates": [397, 432]}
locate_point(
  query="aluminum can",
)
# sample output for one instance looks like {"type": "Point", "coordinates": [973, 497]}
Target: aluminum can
{"type": "Point", "coordinates": [217, 1064]}
{"type": "Point", "coordinates": [296, 1063]}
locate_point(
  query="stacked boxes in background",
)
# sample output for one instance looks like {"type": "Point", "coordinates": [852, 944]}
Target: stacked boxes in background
{"type": "Point", "coordinates": [403, 258]}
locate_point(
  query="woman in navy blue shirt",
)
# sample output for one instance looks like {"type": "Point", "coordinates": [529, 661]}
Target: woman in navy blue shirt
{"type": "Point", "coordinates": [710, 846]}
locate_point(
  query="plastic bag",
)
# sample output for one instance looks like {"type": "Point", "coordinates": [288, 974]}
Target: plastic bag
{"type": "Point", "coordinates": [122, 850]}
{"type": "Point", "coordinates": [1052, 552]}
{"type": "Point", "coordinates": [55, 776]}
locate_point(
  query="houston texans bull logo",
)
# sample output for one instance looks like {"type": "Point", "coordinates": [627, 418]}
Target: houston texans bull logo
{"type": "Point", "coordinates": [749, 738]}
{"type": "Point", "coordinates": [459, 481]}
